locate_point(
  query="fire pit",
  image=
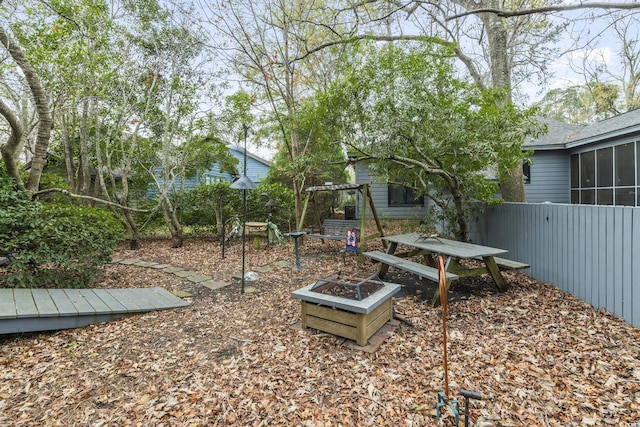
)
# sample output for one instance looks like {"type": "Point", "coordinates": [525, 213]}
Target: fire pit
{"type": "Point", "coordinates": [353, 306]}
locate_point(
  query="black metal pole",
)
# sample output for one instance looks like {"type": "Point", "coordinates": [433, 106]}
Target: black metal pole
{"type": "Point", "coordinates": [244, 202]}
{"type": "Point", "coordinates": [224, 235]}
{"type": "Point", "coordinates": [244, 228]}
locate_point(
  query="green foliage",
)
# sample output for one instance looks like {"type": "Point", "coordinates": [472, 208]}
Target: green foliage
{"type": "Point", "coordinates": [422, 127]}
{"type": "Point", "coordinates": [203, 202]}
{"type": "Point", "coordinates": [283, 214]}
{"type": "Point", "coordinates": [58, 245]}
{"type": "Point", "coordinates": [582, 104]}
{"type": "Point", "coordinates": [323, 159]}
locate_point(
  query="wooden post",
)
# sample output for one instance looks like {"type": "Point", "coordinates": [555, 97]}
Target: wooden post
{"type": "Point", "coordinates": [304, 212]}
{"type": "Point", "coordinates": [361, 329]}
{"type": "Point", "coordinates": [490, 262]}
{"type": "Point", "coordinates": [375, 215]}
{"type": "Point", "coordinates": [303, 313]}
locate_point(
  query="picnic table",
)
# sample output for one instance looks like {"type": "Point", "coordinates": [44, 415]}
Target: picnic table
{"type": "Point", "coordinates": [454, 251]}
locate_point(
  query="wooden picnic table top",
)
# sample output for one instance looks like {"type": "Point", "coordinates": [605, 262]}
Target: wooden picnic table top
{"type": "Point", "coordinates": [444, 246]}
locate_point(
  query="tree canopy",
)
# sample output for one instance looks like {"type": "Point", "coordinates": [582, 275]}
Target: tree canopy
{"type": "Point", "coordinates": [403, 109]}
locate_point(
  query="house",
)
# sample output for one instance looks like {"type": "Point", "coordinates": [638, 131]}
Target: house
{"type": "Point", "coordinates": [594, 164]}
{"type": "Point", "coordinates": [546, 174]}
{"type": "Point", "coordinates": [257, 170]}
{"type": "Point", "coordinates": [391, 201]}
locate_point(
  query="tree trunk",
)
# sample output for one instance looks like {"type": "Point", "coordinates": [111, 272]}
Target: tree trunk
{"type": "Point", "coordinates": [84, 175]}
{"type": "Point", "coordinates": [496, 27]}
{"type": "Point", "coordinates": [45, 120]}
{"type": "Point", "coordinates": [132, 230]}
{"type": "Point", "coordinates": [10, 148]}
{"type": "Point", "coordinates": [177, 237]}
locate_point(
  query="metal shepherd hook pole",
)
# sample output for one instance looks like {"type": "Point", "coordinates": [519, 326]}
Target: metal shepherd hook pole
{"type": "Point", "coordinates": [443, 398]}
{"type": "Point", "coordinates": [244, 184]}
{"type": "Point", "coordinates": [442, 283]}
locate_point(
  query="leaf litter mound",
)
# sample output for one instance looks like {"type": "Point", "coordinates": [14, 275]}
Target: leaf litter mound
{"type": "Point", "coordinates": [538, 356]}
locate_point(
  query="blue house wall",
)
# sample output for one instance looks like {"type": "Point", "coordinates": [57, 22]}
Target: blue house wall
{"type": "Point", "coordinates": [257, 170]}
{"type": "Point", "coordinates": [380, 197]}
{"type": "Point", "coordinates": [549, 178]}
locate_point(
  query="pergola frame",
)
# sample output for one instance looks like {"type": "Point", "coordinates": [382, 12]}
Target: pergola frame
{"type": "Point", "coordinates": [364, 189]}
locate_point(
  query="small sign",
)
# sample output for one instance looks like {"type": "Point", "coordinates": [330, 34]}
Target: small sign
{"type": "Point", "coordinates": [352, 240]}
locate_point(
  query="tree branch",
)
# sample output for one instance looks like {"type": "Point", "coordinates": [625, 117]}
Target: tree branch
{"type": "Point", "coordinates": [93, 199]}
{"type": "Point", "coordinates": [372, 37]}
{"type": "Point", "coordinates": [557, 8]}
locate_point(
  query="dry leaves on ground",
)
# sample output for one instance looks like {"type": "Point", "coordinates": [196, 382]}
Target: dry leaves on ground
{"type": "Point", "coordinates": [538, 356]}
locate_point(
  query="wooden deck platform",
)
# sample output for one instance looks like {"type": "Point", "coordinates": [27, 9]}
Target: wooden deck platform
{"type": "Point", "coordinates": [30, 310]}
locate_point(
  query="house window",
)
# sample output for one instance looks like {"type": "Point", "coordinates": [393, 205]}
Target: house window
{"type": "Point", "coordinates": [399, 195]}
{"type": "Point", "coordinates": [625, 170]}
{"type": "Point", "coordinates": [526, 172]}
{"type": "Point", "coordinates": [605, 167]}
{"type": "Point", "coordinates": [588, 170]}
{"type": "Point", "coordinates": [607, 176]}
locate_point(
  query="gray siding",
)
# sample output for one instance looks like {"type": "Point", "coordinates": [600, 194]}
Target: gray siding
{"type": "Point", "coordinates": [550, 178]}
{"type": "Point", "coordinates": [589, 251]}
{"type": "Point", "coordinates": [379, 194]}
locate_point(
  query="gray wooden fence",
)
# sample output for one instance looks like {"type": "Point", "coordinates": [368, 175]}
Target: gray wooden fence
{"type": "Point", "coordinates": [592, 252]}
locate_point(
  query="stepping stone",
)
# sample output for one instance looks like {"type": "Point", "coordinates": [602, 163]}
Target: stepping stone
{"type": "Point", "coordinates": [173, 269]}
{"type": "Point", "coordinates": [129, 261]}
{"type": "Point", "coordinates": [264, 269]}
{"type": "Point", "coordinates": [145, 263]}
{"type": "Point", "coordinates": [185, 273]}
{"type": "Point", "coordinates": [213, 284]}
{"type": "Point", "coordinates": [249, 290]}
{"type": "Point", "coordinates": [181, 294]}
{"type": "Point", "coordinates": [198, 279]}
{"type": "Point", "coordinates": [160, 266]}
{"type": "Point", "coordinates": [116, 260]}
{"type": "Point", "coordinates": [283, 263]}
{"type": "Point", "coordinates": [237, 276]}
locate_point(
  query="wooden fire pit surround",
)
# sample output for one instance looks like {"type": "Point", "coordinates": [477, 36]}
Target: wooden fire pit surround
{"type": "Point", "coordinates": [354, 307]}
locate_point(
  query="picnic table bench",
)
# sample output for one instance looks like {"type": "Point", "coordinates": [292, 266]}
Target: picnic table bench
{"type": "Point", "coordinates": [508, 264]}
{"type": "Point", "coordinates": [416, 268]}
{"type": "Point", "coordinates": [334, 229]}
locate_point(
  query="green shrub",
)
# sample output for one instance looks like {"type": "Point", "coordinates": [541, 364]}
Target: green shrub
{"type": "Point", "coordinates": [284, 212]}
{"type": "Point", "coordinates": [58, 245]}
{"type": "Point", "coordinates": [201, 203]}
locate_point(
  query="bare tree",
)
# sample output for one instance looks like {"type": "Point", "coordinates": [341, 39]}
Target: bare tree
{"type": "Point", "coordinates": [261, 39]}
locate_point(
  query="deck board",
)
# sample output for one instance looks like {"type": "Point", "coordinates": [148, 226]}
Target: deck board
{"type": "Point", "coordinates": [25, 305]}
{"type": "Point", "coordinates": [77, 298]}
{"type": "Point", "coordinates": [7, 304]}
{"type": "Point", "coordinates": [44, 303]}
{"type": "Point", "coordinates": [62, 302]}
{"type": "Point", "coordinates": [126, 299]}
{"type": "Point", "coordinates": [110, 301]}
{"type": "Point", "coordinates": [29, 310]}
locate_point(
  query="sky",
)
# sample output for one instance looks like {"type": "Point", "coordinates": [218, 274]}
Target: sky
{"type": "Point", "coordinates": [593, 42]}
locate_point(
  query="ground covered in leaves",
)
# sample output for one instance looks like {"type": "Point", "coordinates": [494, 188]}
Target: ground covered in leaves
{"type": "Point", "coordinates": [538, 356]}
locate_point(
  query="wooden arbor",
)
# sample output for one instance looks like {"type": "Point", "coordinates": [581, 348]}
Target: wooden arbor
{"type": "Point", "coordinates": [366, 201]}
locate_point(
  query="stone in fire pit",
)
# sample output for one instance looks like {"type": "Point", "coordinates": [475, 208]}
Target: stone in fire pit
{"type": "Point", "coordinates": [331, 305]}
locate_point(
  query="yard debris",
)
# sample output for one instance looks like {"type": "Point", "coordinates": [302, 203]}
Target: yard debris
{"type": "Point", "coordinates": [537, 355]}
